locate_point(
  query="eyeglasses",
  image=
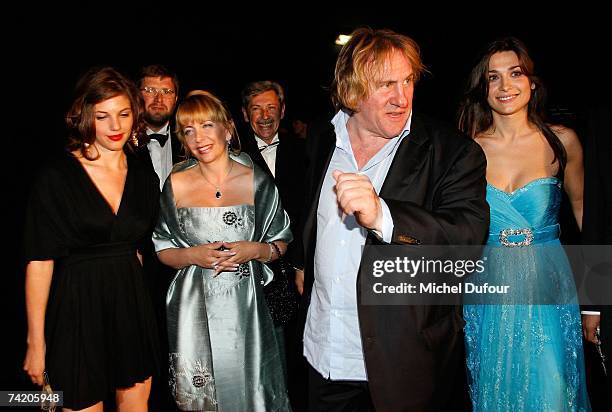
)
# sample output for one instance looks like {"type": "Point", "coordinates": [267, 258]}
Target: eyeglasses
{"type": "Point", "coordinates": [152, 91]}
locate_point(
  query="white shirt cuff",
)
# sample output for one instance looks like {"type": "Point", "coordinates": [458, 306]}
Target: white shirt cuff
{"type": "Point", "coordinates": [589, 312]}
{"type": "Point", "coordinates": [387, 224]}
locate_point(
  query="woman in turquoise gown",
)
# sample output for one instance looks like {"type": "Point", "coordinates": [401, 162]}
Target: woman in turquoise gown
{"type": "Point", "coordinates": [524, 349]}
{"type": "Point", "coordinates": [220, 221]}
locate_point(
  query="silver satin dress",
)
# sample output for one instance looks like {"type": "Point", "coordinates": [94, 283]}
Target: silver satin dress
{"type": "Point", "coordinates": [224, 353]}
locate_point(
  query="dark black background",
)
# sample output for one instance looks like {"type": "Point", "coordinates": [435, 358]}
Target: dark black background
{"type": "Point", "coordinates": [46, 49]}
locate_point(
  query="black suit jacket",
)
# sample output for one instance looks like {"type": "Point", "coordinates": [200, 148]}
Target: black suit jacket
{"type": "Point", "coordinates": [435, 190]}
{"type": "Point", "coordinates": [158, 275]}
{"type": "Point", "coordinates": [290, 170]}
{"type": "Point", "coordinates": [177, 149]}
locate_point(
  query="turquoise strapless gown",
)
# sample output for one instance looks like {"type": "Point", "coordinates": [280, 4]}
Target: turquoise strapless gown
{"type": "Point", "coordinates": [527, 357]}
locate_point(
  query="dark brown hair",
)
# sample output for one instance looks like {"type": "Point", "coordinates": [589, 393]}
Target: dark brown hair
{"type": "Point", "coordinates": [157, 70]}
{"type": "Point", "coordinates": [95, 86]}
{"type": "Point", "coordinates": [475, 115]}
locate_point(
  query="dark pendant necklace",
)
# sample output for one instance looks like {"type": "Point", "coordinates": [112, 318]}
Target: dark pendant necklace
{"type": "Point", "coordinates": [218, 193]}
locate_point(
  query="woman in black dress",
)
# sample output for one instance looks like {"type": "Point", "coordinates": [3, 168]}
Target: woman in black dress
{"type": "Point", "coordinates": [90, 321]}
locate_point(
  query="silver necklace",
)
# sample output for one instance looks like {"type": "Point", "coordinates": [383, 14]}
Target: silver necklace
{"type": "Point", "coordinates": [218, 193]}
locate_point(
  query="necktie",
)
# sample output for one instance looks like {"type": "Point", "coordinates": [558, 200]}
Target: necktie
{"type": "Point", "coordinates": [262, 148]}
{"type": "Point", "coordinates": [161, 138]}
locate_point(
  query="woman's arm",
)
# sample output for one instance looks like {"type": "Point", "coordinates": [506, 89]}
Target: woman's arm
{"type": "Point", "coordinates": [574, 170]}
{"type": "Point", "coordinates": [37, 285]}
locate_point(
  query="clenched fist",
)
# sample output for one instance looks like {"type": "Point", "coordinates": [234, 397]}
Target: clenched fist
{"type": "Point", "coordinates": [357, 197]}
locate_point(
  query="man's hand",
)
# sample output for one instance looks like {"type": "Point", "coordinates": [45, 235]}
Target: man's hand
{"type": "Point", "coordinates": [590, 323]}
{"type": "Point", "coordinates": [356, 196]}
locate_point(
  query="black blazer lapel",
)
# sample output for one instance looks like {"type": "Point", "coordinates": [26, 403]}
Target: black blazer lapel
{"type": "Point", "coordinates": [249, 145]}
{"type": "Point", "coordinates": [142, 153]}
{"type": "Point", "coordinates": [177, 149]}
{"type": "Point", "coordinates": [408, 169]}
{"type": "Point", "coordinates": [318, 167]}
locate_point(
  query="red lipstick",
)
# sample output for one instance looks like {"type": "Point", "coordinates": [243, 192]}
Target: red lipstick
{"type": "Point", "coordinates": [116, 137]}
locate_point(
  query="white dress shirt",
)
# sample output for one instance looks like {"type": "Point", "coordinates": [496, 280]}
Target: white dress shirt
{"type": "Point", "coordinates": [268, 152]}
{"type": "Point", "coordinates": [161, 157]}
{"type": "Point", "coordinates": [332, 339]}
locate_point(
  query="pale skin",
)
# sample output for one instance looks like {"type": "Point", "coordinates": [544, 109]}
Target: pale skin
{"type": "Point", "coordinates": [196, 187]}
{"type": "Point", "coordinates": [518, 153]}
{"type": "Point", "coordinates": [112, 117]}
{"type": "Point", "coordinates": [159, 105]}
{"type": "Point", "coordinates": [264, 113]}
{"type": "Point", "coordinates": [380, 116]}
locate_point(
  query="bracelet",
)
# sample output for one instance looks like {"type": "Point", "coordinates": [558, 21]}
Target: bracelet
{"type": "Point", "coordinates": [276, 249]}
{"type": "Point", "coordinates": [271, 252]}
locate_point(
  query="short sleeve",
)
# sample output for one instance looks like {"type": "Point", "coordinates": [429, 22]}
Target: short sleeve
{"type": "Point", "coordinates": [45, 225]}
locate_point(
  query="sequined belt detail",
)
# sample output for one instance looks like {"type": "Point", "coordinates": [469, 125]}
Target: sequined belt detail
{"type": "Point", "coordinates": [524, 236]}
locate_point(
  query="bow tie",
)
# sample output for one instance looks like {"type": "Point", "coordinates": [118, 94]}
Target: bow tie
{"type": "Point", "coordinates": [262, 148]}
{"type": "Point", "coordinates": [161, 138]}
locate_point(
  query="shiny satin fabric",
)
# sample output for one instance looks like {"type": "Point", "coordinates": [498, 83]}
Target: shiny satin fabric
{"type": "Point", "coordinates": [526, 357]}
{"type": "Point", "coordinates": [224, 353]}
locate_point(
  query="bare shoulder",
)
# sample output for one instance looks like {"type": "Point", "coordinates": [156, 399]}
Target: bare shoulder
{"type": "Point", "coordinates": [568, 137]}
{"type": "Point", "coordinates": [482, 138]}
{"type": "Point", "coordinates": [242, 169]}
{"type": "Point", "coordinates": [487, 142]}
{"type": "Point", "coordinates": [242, 175]}
{"type": "Point", "coordinates": [181, 179]}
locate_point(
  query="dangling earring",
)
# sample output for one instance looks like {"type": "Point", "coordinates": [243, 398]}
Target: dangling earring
{"type": "Point", "coordinates": [134, 139]}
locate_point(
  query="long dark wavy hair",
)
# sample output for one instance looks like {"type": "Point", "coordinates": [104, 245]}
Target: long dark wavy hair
{"type": "Point", "coordinates": [97, 85]}
{"type": "Point", "coordinates": [475, 115]}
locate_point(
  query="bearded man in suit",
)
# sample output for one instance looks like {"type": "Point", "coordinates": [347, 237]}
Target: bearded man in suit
{"type": "Point", "coordinates": [160, 149]}
{"type": "Point", "coordinates": [159, 88]}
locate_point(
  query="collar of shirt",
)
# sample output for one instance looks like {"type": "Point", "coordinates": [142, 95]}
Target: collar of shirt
{"type": "Point", "coordinates": [343, 141]}
{"type": "Point", "coordinates": [262, 145]}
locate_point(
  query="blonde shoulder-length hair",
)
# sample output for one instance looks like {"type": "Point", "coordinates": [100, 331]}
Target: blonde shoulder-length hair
{"type": "Point", "coordinates": [199, 106]}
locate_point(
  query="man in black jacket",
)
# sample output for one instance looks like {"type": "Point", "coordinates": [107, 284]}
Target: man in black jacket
{"type": "Point", "coordinates": [382, 174]}
{"type": "Point", "coordinates": [281, 155]}
{"type": "Point", "coordinates": [275, 151]}
{"type": "Point", "coordinates": [159, 87]}
{"type": "Point", "coordinates": [160, 149]}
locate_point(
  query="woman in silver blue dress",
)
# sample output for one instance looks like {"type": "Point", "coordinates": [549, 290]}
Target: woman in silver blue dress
{"type": "Point", "coordinates": [220, 222]}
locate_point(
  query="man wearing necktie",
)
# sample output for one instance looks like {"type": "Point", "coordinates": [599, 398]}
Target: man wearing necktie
{"type": "Point", "coordinates": [159, 88]}
{"type": "Point", "coordinates": [281, 155]}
